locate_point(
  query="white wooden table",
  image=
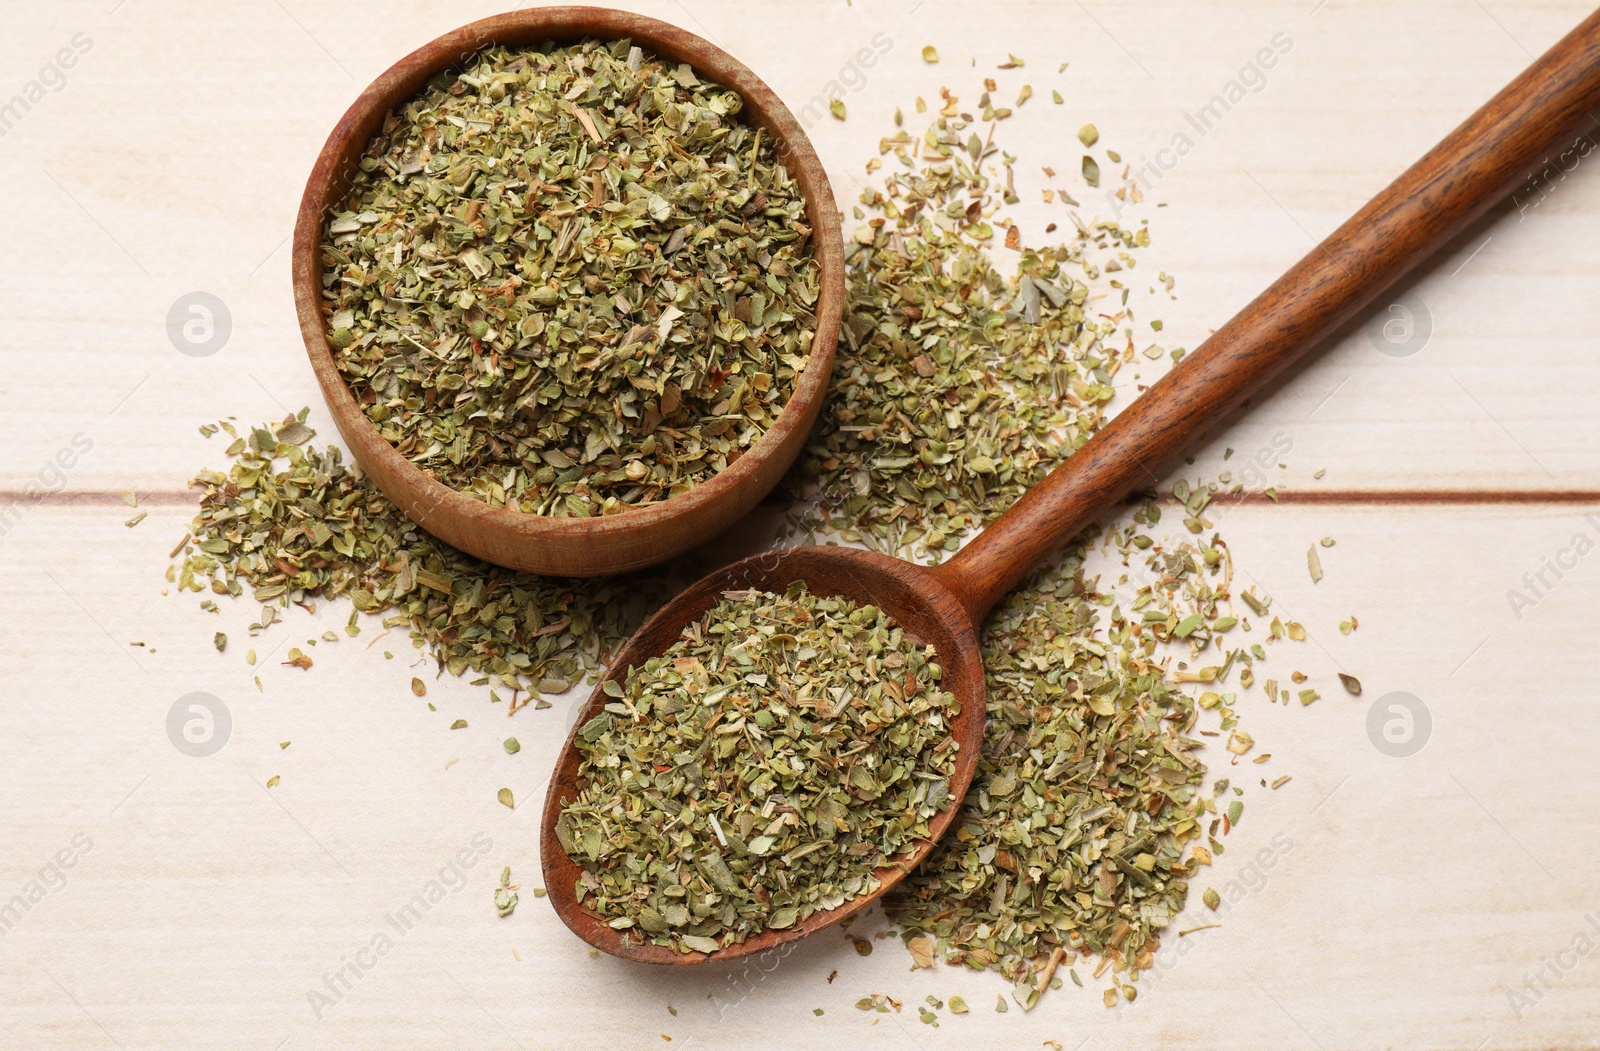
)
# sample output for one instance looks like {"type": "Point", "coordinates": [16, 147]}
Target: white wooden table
{"type": "Point", "coordinates": [1442, 900]}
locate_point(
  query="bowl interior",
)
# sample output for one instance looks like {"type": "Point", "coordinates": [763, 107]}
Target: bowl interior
{"type": "Point", "coordinates": [640, 536]}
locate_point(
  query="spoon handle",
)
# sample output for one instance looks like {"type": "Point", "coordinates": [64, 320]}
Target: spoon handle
{"type": "Point", "coordinates": [1549, 108]}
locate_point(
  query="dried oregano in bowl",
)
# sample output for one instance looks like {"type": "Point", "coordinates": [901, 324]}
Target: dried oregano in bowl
{"type": "Point", "coordinates": [570, 280]}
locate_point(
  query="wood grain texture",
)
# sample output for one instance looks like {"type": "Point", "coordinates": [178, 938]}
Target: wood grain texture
{"type": "Point", "coordinates": [1416, 896]}
{"type": "Point", "coordinates": [570, 546]}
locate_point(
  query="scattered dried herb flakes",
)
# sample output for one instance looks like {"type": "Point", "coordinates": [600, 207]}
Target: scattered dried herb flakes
{"type": "Point", "coordinates": [955, 388]}
{"type": "Point", "coordinates": [570, 280]}
{"type": "Point", "coordinates": [1074, 831]}
{"type": "Point", "coordinates": [759, 770]}
{"type": "Point", "coordinates": [505, 895]}
{"type": "Point", "coordinates": [288, 523]}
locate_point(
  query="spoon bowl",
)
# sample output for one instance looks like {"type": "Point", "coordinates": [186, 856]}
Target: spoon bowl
{"type": "Point", "coordinates": [917, 599]}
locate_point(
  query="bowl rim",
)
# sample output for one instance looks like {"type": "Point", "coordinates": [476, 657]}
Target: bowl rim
{"type": "Point", "coordinates": [328, 184]}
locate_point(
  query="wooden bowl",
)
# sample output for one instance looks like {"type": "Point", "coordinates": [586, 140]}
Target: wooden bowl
{"type": "Point", "coordinates": [570, 546]}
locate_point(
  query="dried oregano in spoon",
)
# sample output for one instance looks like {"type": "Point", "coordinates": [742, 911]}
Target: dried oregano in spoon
{"type": "Point", "coordinates": [571, 280]}
{"type": "Point", "coordinates": [759, 770]}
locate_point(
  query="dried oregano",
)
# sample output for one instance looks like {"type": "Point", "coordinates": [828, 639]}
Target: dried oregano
{"type": "Point", "coordinates": [759, 770]}
{"type": "Point", "coordinates": [956, 388]}
{"type": "Point", "coordinates": [1074, 830]}
{"type": "Point", "coordinates": [571, 280]}
{"type": "Point", "coordinates": [288, 523]}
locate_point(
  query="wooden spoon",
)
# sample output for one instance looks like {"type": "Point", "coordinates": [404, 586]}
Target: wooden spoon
{"type": "Point", "coordinates": [1543, 111]}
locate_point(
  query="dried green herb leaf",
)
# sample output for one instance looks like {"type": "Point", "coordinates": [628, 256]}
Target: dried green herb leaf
{"type": "Point", "coordinates": [505, 895]}
{"type": "Point", "coordinates": [570, 280]}
{"type": "Point", "coordinates": [292, 525]}
{"type": "Point", "coordinates": [759, 771]}
{"type": "Point", "coordinates": [1044, 655]}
